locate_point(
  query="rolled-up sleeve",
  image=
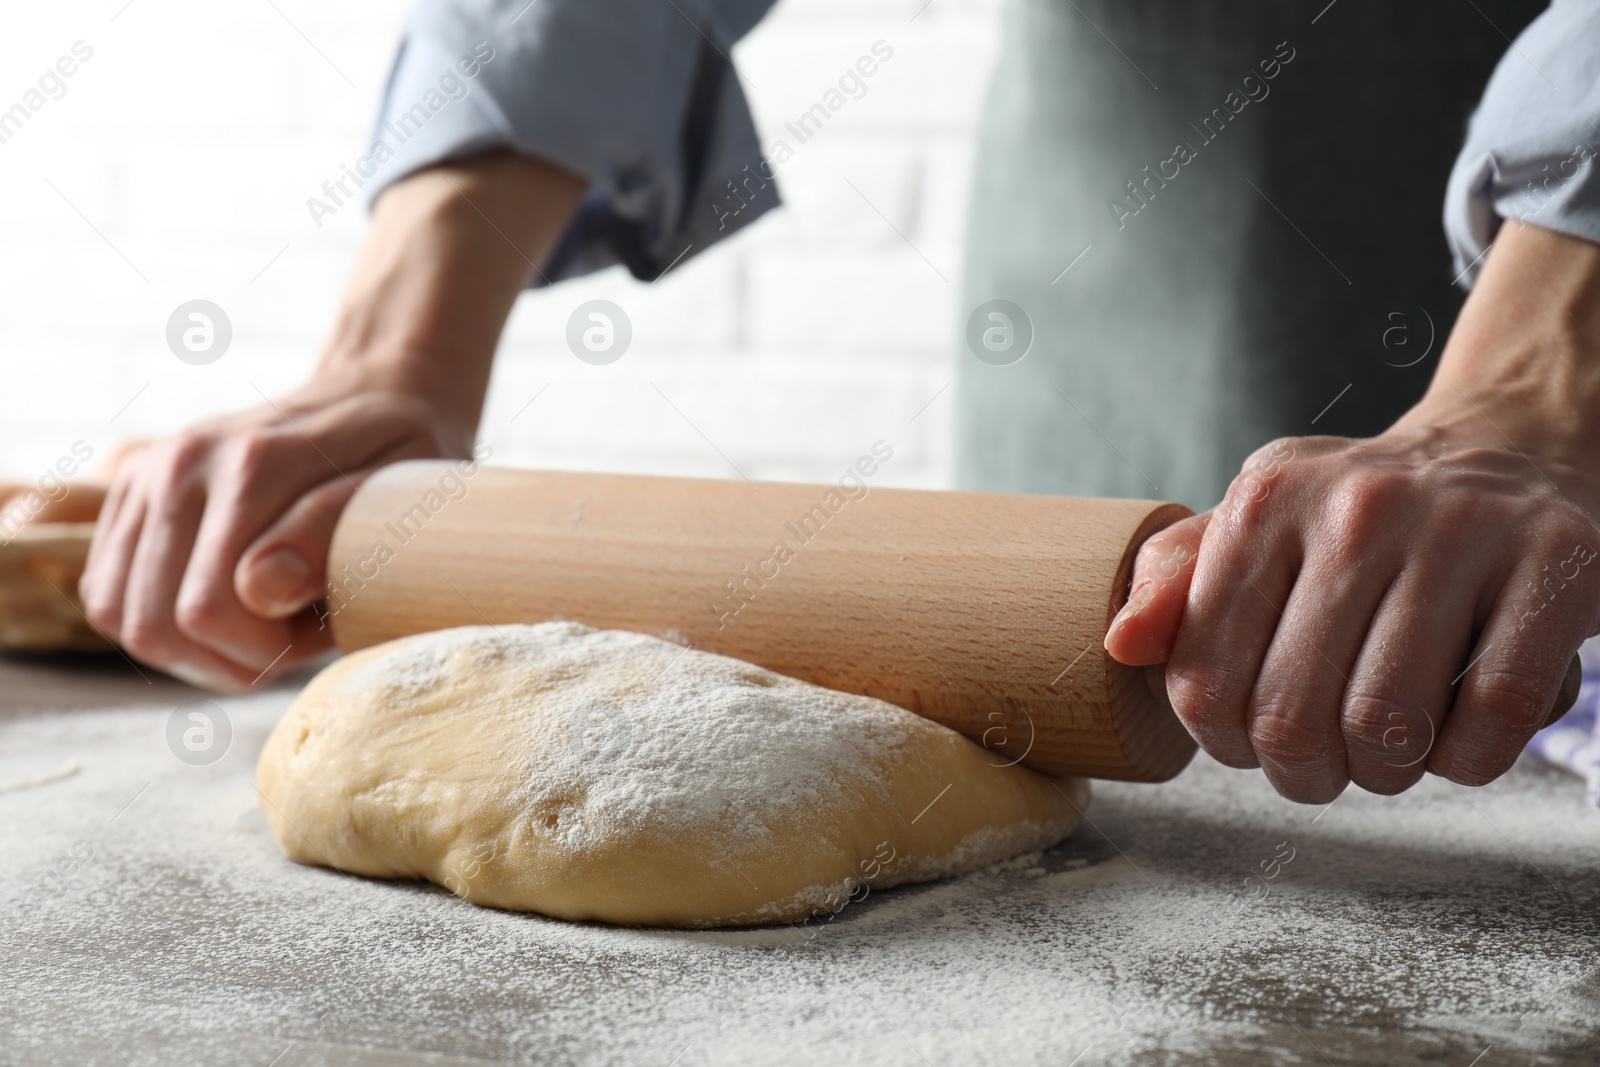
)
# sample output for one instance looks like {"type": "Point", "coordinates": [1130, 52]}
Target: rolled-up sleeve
{"type": "Point", "coordinates": [1530, 154]}
{"type": "Point", "coordinates": [638, 97]}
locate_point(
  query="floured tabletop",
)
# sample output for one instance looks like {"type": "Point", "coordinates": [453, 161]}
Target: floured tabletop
{"type": "Point", "coordinates": [150, 919]}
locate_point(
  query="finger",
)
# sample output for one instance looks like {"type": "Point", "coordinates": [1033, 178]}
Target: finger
{"type": "Point", "coordinates": [251, 496]}
{"type": "Point", "coordinates": [265, 476]}
{"type": "Point", "coordinates": [284, 569]}
{"type": "Point", "coordinates": [1519, 664]}
{"type": "Point", "coordinates": [149, 625]}
{"type": "Point", "coordinates": [1242, 579]}
{"type": "Point", "coordinates": [254, 482]}
{"type": "Point", "coordinates": [291, 573]}
{"type": "Point", "coordinates": [1293, 719]}
{"type": "Point", "coordinates": [1401, 686]}
{"type": "Point", "coordinates": [259, 477]}
{"type": "Point", "coordinates": [105, 572]}
{"type": "Point", "coordinates": [1143, 631]}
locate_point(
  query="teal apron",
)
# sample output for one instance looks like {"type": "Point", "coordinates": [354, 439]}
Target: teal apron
{"type": "Point", "coordinates": [1221, 222]}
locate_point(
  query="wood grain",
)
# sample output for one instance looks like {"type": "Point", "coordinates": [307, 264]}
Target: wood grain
{"type": "Point", "coordinates": [984, 612]}
{"type": "Point", "coordinates": [39, 608]}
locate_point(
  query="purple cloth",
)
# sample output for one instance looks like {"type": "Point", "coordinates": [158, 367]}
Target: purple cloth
{"type": "Point", "coordinates": [1574, 742]}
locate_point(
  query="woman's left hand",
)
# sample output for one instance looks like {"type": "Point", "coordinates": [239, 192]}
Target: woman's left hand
{"type": "Point", "coordinates": [1366, 610]}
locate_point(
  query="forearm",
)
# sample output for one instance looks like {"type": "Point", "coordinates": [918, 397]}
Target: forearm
{"type": "Point", "coordinates": [1525, 352]}
{"type": "Point", "coordinates": [1368, 609]}
{"type": "Point", "coordinates": [449, 249]}
{"type": "Point", "coordinates": [1531, 146]}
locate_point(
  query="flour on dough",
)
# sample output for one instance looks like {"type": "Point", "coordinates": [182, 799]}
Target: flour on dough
{"type": "Point", "coordinates": [599, 774]}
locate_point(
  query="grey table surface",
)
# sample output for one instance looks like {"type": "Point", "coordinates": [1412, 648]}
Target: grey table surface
{"type": "Point", "coordinates": [149, 919]}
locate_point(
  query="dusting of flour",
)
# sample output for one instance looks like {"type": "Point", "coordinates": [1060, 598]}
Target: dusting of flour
{"type": "Point", "coordinates": [603, 774]}
{"type": "Point", "coordinates": [649, 736]}
{"type": "Point", "coordinates": [1416, 930]}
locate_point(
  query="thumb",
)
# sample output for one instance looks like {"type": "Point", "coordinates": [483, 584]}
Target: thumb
{"type": "Point", "coordinates": [284, 570]}
{"type": "Point", "coordinates": [1145, 628]}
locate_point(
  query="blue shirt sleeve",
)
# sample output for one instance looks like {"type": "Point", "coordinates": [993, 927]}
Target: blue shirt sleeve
{"type": "Point", "coordinates": [637, 96]}
{"type": "Point", "coordinates": [1530, 154]}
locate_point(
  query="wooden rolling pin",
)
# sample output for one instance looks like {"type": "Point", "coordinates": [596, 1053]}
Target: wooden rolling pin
{"type": "Point", "coordinates": [984, 612]}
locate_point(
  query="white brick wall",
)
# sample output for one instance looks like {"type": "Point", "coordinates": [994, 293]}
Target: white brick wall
{"type": "Point", "coordinates": [193, 136]}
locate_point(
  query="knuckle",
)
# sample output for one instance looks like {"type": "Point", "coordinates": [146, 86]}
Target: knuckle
{"type": "Point", "coordinates": [1244, 509]}
{"type": "Point", "coordinates": [1163, 558]}
{"type": "Point", "coordinates": [1248, 494]}
{"type": "Point", "coordinates": [1515, 700]}
{"type": "Point", "coordinates": [1363, 503]}
{"type": "Point", "coordinates": [184, 456]}
{"type": "Point", "coordinates": [101, 611]}
{"type": "Point", "coordinates": [1367, 488]}
{"type": "Point", "coordinates": [1473, 767]}
{"type": "Point", "coordinates": [147, 638]}
{"type": "Point", "coordinates": [1568, 526]}
{"type": "Point", "coordinates": [1317, 789]}
{"type": "Point", "coordinates": [198, 616]}
{"type": "Point", "coordinates": [1205, 694]}
{"type": "Point", "coordinates": [1286, 741]}
{"type": "Point", "coordinates": [1386, 730]}
{"type": "Point", "coordinates": [1386, 781]}
{"type": "Point", "coordinates": [1210, 702]}
{"type": "Point", "coordinates": [1273, 454]}
{"type": "Point", "coordinates": [251, 450]}
{"type": "Point", "coordinates": [251, 456]}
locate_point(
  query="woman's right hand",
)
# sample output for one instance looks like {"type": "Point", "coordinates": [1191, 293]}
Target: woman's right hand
{"type": "Point", "coordinates": [212, 544]}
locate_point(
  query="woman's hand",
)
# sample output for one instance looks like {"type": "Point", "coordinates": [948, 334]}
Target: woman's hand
{"type": "Point", "coordinates": [212, 544]}
{"type": "Point", "coordinates": [1365, 610]}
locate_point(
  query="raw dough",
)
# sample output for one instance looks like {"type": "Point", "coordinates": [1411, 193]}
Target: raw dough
{"type": "Point", "coordinates": [599, 774]}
